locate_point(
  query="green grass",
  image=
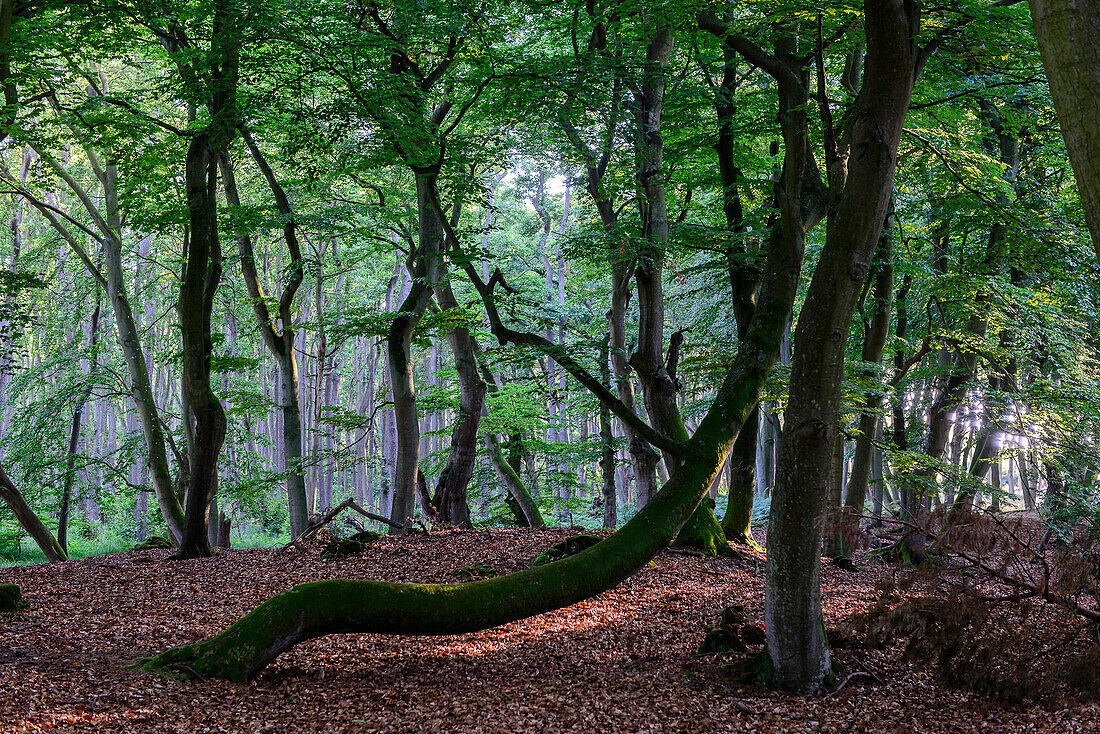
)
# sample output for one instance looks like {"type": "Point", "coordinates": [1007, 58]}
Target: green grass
{"type": "Point", "coordinates": [23, 552]}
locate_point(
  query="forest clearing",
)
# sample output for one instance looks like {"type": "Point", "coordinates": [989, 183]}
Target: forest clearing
{"type": "Point", "coordinates": [521, 366]}
{"type": "Point", "coordinates": [624, 661]}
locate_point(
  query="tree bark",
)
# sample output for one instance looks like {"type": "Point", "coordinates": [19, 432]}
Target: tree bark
{"type": "Point", "coordinates": [30, 521]}
{"type": "Point", "coordinates": [875, 334]}
{"type": "Point", "coordinates": [796, 645]}
{"type": "Point", "coordinates": [74, 434]}
{"type": "Point", "coordinates": [399, 348]}
{"type": "Point", "coordinates": [279, 342]}
{"type": "Point", "coordinates": [1069, 42]}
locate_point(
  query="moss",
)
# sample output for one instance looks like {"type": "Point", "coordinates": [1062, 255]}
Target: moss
{"type": "Point", "coordinates": [744, 539]}
{"type": "Point", "coordinates": [759, 668]}
{"type": "Point", "coordinates": [474, 573]}
{"type": "Point", "coordinates": [11, 598]}
{"type": "Point", "coordinates": [571, 546]}
{"type": "Point", "coordinates": [703, 532]}
{"type": "Point", "coordinates": [721, 640]}
{"type": "Point", "coordinates": [342, 547]}
{"type": "Point", "coordinates": [154, 542]}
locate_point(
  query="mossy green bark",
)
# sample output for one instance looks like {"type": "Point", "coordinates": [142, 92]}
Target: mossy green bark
{"type": "Point", "coordinates": [335, 607]}
{"type": "Point", "coordinates": [737, 522]}
{"type": "Point", "coordinates": [703, 532]}
{"type": "Point", "coordinates": [571, 546]}
{"type": "Point", "coordinates": [11, 598]}
{"type": "Point", "coordinates": [154, 542]}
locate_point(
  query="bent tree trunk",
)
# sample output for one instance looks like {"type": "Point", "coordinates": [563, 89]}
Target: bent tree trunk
{"type": "Point", "coordinates": [30, 521]}
{"type": "Point", "coordinates": [74, 434]}
{"type": "Point", "coordinates": [279, 343]}
{"type": "Point", "coordinates": [737, 522]}
{"type": "Point", "coordinates": [333, 607]}
{"type": "Point", "coordinates": [522, 503]}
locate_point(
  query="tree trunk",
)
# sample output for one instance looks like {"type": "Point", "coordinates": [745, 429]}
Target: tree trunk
{"type": "Point", "coordinates": [201, 278]}
{"type": "Point", "coordinates": [796, 645]}
{"type": "Point", "coordinates": [279, 343]}
{"type": "Point", "coordinates": [737, 522]}
{"type": "Point", "coordinates": [874, 341]}
{"type": "Point", "coordinates": [27, 518]}
{"type": "Point", "coordinates": [74, 434]}
{"type": "Point", "coordinates": [450, 491]}
{"type": "Point", "coordinates": [607, 445]}
{"type": "Point", "coordinates": [1069, 41]}
{"type": "Point", "coordinates": [399, 349]}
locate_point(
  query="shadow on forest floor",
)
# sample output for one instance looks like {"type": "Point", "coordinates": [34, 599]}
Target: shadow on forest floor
{"type": "Point", "coordinates": [623, 661]}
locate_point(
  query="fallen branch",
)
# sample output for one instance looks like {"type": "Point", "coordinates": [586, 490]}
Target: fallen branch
{"type": "Point", "coordinates": [315, 526]}
{"type": "Point", "coordinates": [856, 674]}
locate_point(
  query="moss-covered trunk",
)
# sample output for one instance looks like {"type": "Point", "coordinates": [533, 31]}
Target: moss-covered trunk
{"type": "Point", "coordinates": [333, 607]}
{"type": "Point", "coordinates": [520, 499]}
{"type": "Point", "coordinates": [737, 522]}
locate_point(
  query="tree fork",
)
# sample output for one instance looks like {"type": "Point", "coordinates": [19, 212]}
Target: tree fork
{"type": "Point", "coordinates": [339, 607]}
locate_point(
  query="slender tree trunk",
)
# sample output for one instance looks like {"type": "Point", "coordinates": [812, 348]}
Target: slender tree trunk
{"type": "Point", "coordinates": [74, 434]}
{"type": "Point", "coordinates": [874, 341]}
{"type": "Point", "coordinates": [607, 445]}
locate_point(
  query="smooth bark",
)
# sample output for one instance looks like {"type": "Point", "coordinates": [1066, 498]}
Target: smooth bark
{"type": "Point", "coordinates": [796, 644]}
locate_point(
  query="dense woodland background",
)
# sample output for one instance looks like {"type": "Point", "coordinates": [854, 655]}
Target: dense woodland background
{"type": "Point", "coordinates": [485, 264]}
{"type": "Point", "coordinates": [992, 275]}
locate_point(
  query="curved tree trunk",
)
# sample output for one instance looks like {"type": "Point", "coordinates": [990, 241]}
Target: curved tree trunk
{"type": "Point", "coordinates": [450, 491]}
{"type": "Point", "coordinates": [737, 522]}
{"type": "Point", "coordinates": [521, 502]}
{"type": "Point", "coordinates": [279, 342]}
{"type": "Point", "coordinates": [334, 607]}
{"type": "Point", "coordinates": [201, 277]}
{"type": "Point", "coordinates": [607, 445]}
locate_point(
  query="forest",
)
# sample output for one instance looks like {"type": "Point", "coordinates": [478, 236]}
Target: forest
{"type": "Point", "coordinates": [473, 365]}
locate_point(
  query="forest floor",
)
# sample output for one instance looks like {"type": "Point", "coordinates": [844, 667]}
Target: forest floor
{"type": "Point", "coordinates": [624, 661]}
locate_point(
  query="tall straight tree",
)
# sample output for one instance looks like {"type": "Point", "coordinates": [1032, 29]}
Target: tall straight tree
{"type": "Point", "coordinates": [279, 341]}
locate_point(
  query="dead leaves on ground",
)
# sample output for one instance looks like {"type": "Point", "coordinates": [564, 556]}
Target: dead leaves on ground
{"type": "Point", "coordinates": [624, 661]}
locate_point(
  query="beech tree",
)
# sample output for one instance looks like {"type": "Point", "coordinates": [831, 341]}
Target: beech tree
{"type": "Point", "coordinates": [552, 257]}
